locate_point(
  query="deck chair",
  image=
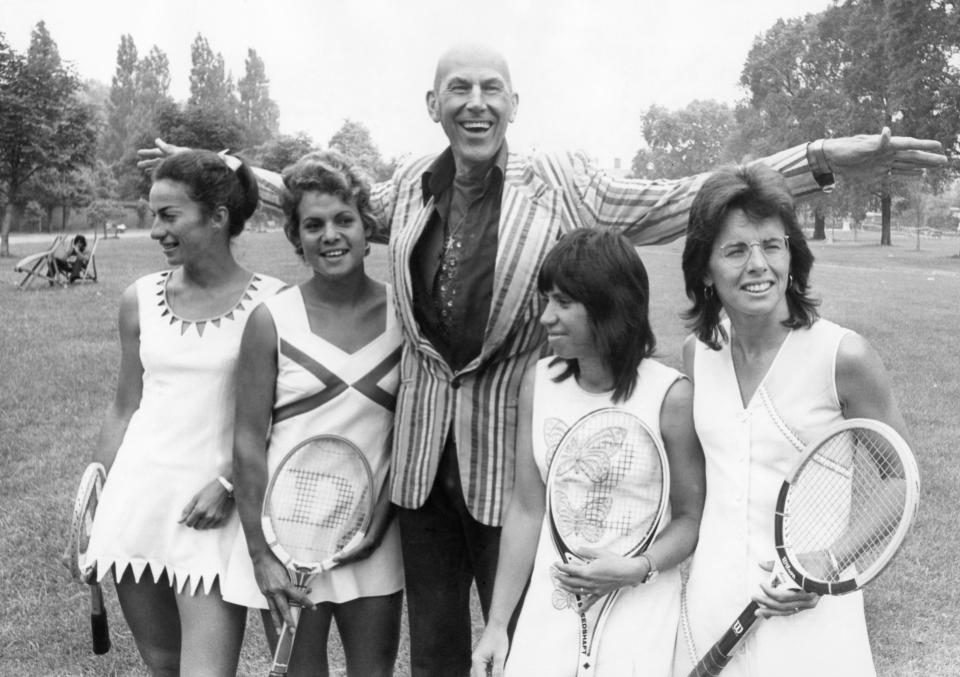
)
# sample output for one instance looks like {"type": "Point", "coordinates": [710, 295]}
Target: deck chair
{"type": "Point", "coordinates": [49, 266]}
{"type": "Point", "coordinates": [37, 267]}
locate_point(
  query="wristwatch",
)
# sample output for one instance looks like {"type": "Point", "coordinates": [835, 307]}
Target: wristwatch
{"type": "Point", "coordinates": [652, 572]}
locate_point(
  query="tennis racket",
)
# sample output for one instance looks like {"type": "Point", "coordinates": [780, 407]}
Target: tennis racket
{"type": "Point", "coordinates": [317, 507]}
{"type": "Point", "coordinates": [83, 571]}
{"type": "Point", "coordinates": [842, 514]}
{"type": "Point", "coordinates": [607, 488]}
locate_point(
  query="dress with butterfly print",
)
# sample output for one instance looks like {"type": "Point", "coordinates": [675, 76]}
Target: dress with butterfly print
{"type": "Point", "coordinates": [546, 638]}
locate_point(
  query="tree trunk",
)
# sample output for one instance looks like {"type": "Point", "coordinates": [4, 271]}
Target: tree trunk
{"type": "Point", "coordinates": [50, 209]}
{"type": "Point", "coordinates": [11, 220]}
{"type": "Point", "coordinates": [819, 224]}
{"type": "Point", "coordinates": [4, 232]}
{"type": "Point", "coordinates": [65, 209]}
{"type": "Point", "coordinates": [885, 217]}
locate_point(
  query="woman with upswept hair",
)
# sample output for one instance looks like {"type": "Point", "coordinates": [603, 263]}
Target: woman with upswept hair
{"type": "Point", "coordinates": [166, 520]}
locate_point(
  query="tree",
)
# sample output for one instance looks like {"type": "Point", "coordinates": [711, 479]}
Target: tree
{"type": "Point", "coordinates": [140, 88]}
{"type": "Point", "coordinates": [684, 142]}
{"type": "Point", "coordinates": [210, 85]}
{"type": "Point", "coordinates": [102, 211]}
{"type": "Point", "coordinates": [793, 76]}
{"type": "Point", "coordinates": [43, 125]}
{"type": "Point", "coordinates": [281, 151]}
{"type": "Point", "coordinates": [354, 141]}
{"type": "Point", "coordinates": [123, 98]}
{"type": "Point", "coordinates": [258, 112]}
{"type": "Point", "coordinates": [200, 127]}
{"type": "Point", "coordinates": [902, 73]}
{"type": "Point", "coordinates": [153, 82]}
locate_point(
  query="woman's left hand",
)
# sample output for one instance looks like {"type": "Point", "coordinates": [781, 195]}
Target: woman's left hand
{"type": "Point", "coordinates": [781, 600]}
{"type": "Point", "coordinates": [599, 577]}
{"type": "Point", "coordinates": [364, 549]}
{"type": "Point", "coordinates": [208, 508]}
{"type": "Point", "coordinates": [382, 518]}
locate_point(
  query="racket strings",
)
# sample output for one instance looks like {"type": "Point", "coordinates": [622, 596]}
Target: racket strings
{"type": "Point", "coordinates": [844, 505]}
{"type": "Point", "coordinates": [315, 512]}
{"type": "Point", "coordinates": [607, 484]}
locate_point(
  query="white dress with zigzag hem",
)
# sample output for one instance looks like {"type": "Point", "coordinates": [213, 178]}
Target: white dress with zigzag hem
{"type": "Point", "coordinates": [178, 440]}
{"type": "Point", "coordinates": [323, 390]}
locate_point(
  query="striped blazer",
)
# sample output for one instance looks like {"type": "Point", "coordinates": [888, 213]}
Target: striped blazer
{"type": "Point", "coordinates": [544, 196]}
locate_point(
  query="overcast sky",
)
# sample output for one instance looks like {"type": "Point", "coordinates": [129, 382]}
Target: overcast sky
{"type": "Point", "coordinates": [585, 70]}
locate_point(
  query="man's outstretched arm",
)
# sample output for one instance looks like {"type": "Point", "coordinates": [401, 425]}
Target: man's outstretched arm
{"type": "Point", "coordinates": [655, 211]}
{"type": "Point", "coordinates": [271, 184]}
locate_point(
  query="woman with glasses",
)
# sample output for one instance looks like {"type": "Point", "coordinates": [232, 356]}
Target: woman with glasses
{"type": "Point", "coordinates": [769, 375]}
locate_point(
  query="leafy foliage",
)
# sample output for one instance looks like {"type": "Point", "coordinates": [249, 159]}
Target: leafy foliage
{"type": "Point", "coordinates": [258, 112]}
{"type": "Point", "coordinates": [354, 141]}
{"type": "Point", "coordinates": [854, 68]}
{"type": "Point", "coordinates": [685, 141]}
{"type": "Point", "coordinates": [43, 124]}
{"type": "Point", "coordinates": [281, 151]}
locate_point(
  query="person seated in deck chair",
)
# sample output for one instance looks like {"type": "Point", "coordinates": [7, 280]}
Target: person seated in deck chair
{"type": "Point", "coordinates": [73, 262]}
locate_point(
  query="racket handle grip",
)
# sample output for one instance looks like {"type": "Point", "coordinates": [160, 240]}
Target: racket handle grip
{"type": "Point", "coordinates": [720, 653]}
{"type": "Point", "coordinates": [281, 657]}
{"type": "Point", "coordinates": [99, 629]}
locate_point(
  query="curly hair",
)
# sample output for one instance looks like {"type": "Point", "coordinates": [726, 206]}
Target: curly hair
{"type": "Point", "coordinates": [325, 172]}
{"type": "Point", "coordinates": [603, 271]}
{"type": "Point", "coordinates": [761, 192]}
{"type": "Point", "coordinates": [211, 183]}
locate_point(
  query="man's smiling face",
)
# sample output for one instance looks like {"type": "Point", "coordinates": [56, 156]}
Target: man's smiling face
{"type": "Point", "coordinates": [474, 102]}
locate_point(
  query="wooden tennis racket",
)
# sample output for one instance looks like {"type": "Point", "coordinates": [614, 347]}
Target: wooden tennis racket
{"type": "Point", "coordinates": [608, 486]}
{"type": "Point", "coordinates": [317, 507]}
{"type": "Point", "coordinates": [842, 514]}
{"type": "Point", "coordinates": [83, 571]}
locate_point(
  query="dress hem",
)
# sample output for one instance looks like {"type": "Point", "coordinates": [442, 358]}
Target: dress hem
{"type": "Point", "coordinates": [180, 580]}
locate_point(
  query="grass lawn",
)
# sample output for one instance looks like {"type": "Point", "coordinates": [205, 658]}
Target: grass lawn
{"type": "Point", "coordinates": [59, 353]}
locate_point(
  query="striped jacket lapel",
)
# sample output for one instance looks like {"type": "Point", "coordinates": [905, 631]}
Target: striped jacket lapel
{"type": "Point", "coordinates": [402, 242]}
{"type": "Point", "coordinates": [527, 230]}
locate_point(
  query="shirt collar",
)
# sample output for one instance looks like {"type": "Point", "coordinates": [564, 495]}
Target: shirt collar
{"type": "Point", "coordinates": [439, 175]}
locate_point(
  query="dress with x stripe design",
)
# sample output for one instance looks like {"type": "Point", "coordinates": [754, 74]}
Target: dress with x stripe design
{"type": "Point", "coordinates": [323, 390]}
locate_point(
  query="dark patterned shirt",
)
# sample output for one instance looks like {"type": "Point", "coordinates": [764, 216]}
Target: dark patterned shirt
{"type": "Point", "coordinates": [454, 260]}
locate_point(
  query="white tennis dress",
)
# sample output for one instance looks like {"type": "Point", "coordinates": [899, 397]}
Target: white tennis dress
{"type": "Point", "coordinates": [324, 390]}
{"type": "Point", "coordinates": [178, 440]}
{"type": "Point", "coordinates": [747, 456]}
{"type": "Point", "coordinates": [641, 627]}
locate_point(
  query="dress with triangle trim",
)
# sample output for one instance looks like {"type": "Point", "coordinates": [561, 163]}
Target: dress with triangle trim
{"type": "Point", "coordinates": [179, 439]}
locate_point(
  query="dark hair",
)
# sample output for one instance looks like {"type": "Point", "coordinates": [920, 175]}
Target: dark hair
{"type": "Point", "coordinates": [761, 192]}
{"type": "Point", "coordinates": [603, 271]}
{"type": "Point", "coordinates": [325, 172]}
{"type": "Point", "coordinates": [212, 184]}
{"type": "Point", "coordinates": [80, 241]}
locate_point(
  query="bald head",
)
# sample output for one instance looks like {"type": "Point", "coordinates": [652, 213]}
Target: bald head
{"type": "Point", "coordinates": [471, 55]}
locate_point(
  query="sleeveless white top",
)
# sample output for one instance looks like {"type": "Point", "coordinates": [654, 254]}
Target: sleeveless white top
{"type": "Point", "coordinates": [178, 440]}
{"type": "Point", "coordinates": [323, 390]}
{"type": "Point", "coordinates": [748, 451]}
{"type": "Point", "coordinates": [641, 627]}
